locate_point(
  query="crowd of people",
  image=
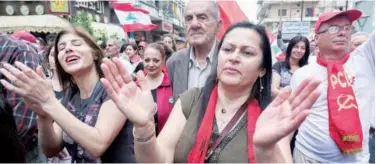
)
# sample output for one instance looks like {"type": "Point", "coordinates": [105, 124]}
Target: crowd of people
{"type": "Point", "coordinates": [209, 101]}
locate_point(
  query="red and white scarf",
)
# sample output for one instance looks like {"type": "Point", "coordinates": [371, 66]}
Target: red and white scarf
{"type": "Point", "coordinates": [344, 122]}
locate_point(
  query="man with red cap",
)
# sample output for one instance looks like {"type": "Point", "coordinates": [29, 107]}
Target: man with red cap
{"type": "Point", "coordinates": [338, 127]}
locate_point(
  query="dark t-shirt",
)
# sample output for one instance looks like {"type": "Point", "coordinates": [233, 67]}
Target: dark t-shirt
{"type": "Point", "coordinates": [282, 69]}
{"type": "Point", "coordinates": [154, 94]}
{"type": "Point", "coordinates": [59, 95]}
{"type": "Point", "coordinates": [87, 110]}
{"type": "Point", "coordinates": [140, 66]}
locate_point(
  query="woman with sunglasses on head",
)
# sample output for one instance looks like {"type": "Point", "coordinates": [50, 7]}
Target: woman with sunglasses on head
{"type": "Point", "coordinates": [231, 119]}
{"type": "Point", "coordinates": [85, 121]}
{"type": "Point", "coordinates": [132, 52]}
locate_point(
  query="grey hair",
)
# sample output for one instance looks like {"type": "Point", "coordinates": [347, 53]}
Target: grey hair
{"type": "Point", "coordinates": [360, 34]}
{"type": "Point", "coordinates": [215, 10]}
{"type": "Point", "coordinates": [116, 42]}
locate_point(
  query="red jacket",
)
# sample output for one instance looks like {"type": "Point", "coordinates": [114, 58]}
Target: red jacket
{"type": "Point", "coordinates": [164, 101]}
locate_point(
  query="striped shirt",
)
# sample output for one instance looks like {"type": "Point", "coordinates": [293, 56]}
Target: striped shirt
{"type": "Point", "coordinates": [197, 73]}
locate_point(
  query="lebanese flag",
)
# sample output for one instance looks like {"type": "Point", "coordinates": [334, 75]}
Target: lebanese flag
{"type": "Point", "coordinates": [132, 18]}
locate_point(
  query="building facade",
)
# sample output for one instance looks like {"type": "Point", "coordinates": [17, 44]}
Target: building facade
{"type": "Point", "coordinates": [44, 17]}
{"type": "Point", "coordinates": [168, 15]}
{"type": "Point", "coordinates": [293, 13]}
{"type": "Point", "coordinates": [366, 23]}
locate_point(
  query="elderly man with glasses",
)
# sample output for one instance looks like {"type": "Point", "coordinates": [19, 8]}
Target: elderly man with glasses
{"type": "Point", "coordinates": [337, 130]}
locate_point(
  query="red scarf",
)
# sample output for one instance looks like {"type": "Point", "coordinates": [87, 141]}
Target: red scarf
{"type": "Point", "coordinates": [344, 123]}
{"type": "Point", "coordinates": [201, 145]}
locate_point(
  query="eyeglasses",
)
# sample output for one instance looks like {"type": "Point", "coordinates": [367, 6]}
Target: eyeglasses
{"type": "Point", "coordinates": [335, 29]}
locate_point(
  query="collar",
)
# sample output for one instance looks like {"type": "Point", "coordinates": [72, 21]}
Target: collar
{"type": "Point", "coordinates": [210, 56]}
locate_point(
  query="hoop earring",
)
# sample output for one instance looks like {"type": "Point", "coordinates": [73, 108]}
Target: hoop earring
{"type": "Point", "coordinates": [261, 87]}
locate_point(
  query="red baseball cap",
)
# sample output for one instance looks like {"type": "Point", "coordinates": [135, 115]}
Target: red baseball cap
{"type": "Point", "coordinates": [351, 14]}
{"type": "Point", "coordinates": [26, 36]}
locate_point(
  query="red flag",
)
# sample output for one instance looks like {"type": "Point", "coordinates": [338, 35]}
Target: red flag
{"type": "Point", "coordinates": [230, 14]}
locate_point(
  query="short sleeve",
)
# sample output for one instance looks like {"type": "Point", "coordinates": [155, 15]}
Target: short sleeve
{"type": "Point", "coordinates": [277, 67]}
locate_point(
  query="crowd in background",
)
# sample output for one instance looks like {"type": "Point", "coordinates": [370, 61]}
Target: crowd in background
{"type": "Point", "coordinates": [69, 99]}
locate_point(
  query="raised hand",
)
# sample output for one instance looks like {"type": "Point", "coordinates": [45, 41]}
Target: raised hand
{"type": "Point", "coordinates": [285, 114]}
{"type": "Point", "coordinates": [34, 87]}
{"type": "Point", "coordinates": [134, 99]}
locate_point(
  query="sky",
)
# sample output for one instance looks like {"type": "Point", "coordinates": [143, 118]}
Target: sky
{"type": "Point", "coordinates": [249, 8]}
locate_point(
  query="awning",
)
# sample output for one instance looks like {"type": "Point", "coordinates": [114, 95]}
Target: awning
{"type": "Point", "coordinates": [110, 30]}
{"type": "Point", "coordinates": [33, 23]}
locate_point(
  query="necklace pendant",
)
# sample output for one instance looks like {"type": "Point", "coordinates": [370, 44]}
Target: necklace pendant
{"type": "Point", "coordinates": [223, 111]}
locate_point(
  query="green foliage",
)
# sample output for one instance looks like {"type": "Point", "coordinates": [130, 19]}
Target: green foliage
{"type": "Point", "coordinates": [100, 35]}
{"type": "Point", "coordinates": [85, 20]}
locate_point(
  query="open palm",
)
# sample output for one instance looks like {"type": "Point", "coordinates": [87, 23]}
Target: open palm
{"type": "Point", "coordinates": [33, 86]}
{"type": "Point", "coordinates": [285, 114]}
{"type": "Point", "coordinates": [134, 99]}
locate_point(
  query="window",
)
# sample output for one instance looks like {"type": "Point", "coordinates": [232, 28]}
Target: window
{"type": "Point", "coordinates": [157, 4]}
{"type": "Point", "coordinates": [282, 12]}
{"type": "Point", "coordinates": [320, 11]}
{"type": "Point", "coordinates": [309, 12]}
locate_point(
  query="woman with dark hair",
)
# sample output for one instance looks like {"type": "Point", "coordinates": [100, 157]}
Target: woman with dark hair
{"type": "Point", "coordinates": [85, 121]}
{"type": "Point", "coordinates": [218, 122]}
{"type": "Point", "coordinates": [49, 61]}
{"type": "Point", "coordinates": [297, 54]}
{"type": "Point", "coordinates": [132, 51]}
{"type": "Point", "coordinates": [169, 41]}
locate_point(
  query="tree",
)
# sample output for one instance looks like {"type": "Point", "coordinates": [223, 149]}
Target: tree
{"type": "Point", "coordinates": [85, 20]}
{"type": "Point", "coordinates": [100, 35]}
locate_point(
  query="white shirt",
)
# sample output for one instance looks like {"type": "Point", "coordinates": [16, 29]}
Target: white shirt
{"type": "Point", "coordinates": [313, 139]}
{"type": "Point", "coordinates": [127, 65]}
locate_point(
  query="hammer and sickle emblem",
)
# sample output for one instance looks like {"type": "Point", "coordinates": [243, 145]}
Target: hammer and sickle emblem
{"type": "Point", "coordinates": [344, 102]}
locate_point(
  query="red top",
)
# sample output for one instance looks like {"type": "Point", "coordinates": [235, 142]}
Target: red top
{"type": "Point", "coordinates": [164, 101]}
